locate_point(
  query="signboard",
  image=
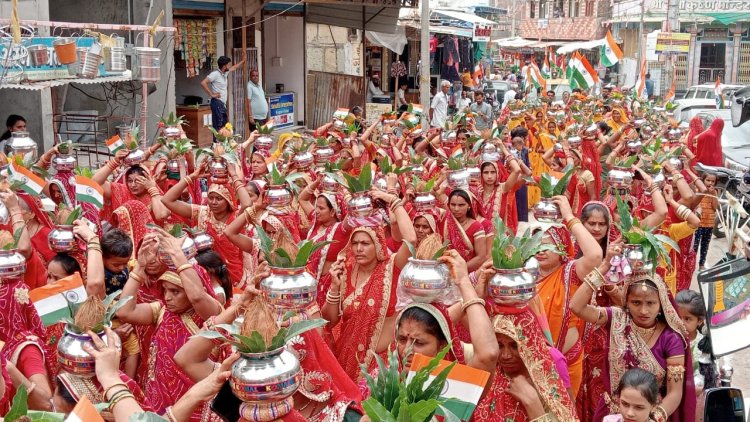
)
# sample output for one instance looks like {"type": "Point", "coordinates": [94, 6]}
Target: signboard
{"type": "Point", "coordinates": [281, 109]}
{"type": "Point", "coordinates": [672, 43]}
{"type": "Point", "coordinates": [726, 292]}
{"type": "Point", "coordinates": [632, 8]}
{"type": "Point", "coordinates": [482, 33]}
{"type": "Point", "coordinates": [51, 68]}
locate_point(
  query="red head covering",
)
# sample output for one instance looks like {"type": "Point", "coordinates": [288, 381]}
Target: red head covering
{"type": "Point", "coordinates": [563, 243]}
{"type": "Point", "coordinates": [132, 218]}
{"type": "Point", "coordinates": [440, 313]}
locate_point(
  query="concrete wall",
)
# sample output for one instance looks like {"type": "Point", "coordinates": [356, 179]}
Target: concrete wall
{"type": "Point", "coordinates": [284, 38]}
{"type": "Point", "coordinates": [328, 49]}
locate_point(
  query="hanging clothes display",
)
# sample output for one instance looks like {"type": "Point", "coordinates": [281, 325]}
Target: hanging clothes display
{"type": "Point", "coordinates": [196, 41]}
{"type": "Point", "coordinates": [451, 59]}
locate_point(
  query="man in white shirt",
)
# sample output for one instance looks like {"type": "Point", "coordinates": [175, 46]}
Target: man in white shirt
{"type": "Point", "coordinates": [256, 104]}
{"type": "Point", "coordinates": [439, 105]}
{"type": "Point", "coordinates": [483, 111]}
{"type": "Point", "coordinates": [463, 103]}
{"type": "Point", "coordinates": [215, 84]}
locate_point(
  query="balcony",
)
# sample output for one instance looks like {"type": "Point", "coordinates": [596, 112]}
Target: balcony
{"type": "Point", "coordinates": [570, 29]}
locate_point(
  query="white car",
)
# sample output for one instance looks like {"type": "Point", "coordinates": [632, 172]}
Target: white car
{"type": "Point", "coordinates": [702, 97]}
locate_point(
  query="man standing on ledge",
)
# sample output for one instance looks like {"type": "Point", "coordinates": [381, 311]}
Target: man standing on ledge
{"type": "Point", "coordinates": [256, 104]}
{"type": "Point", "coordinates": [215, 84]}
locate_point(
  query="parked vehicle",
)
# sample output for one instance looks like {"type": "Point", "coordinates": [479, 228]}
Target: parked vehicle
{"type": "Point", "coordinates": [703, 97]}
{"type": "Point", "coordinates": [740, 106]}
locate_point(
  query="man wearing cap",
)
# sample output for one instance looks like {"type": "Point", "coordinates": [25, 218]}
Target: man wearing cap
{"type": "Point", "coordinates": [439, 105]}
{"type": "Point", "coordinates": [215, 84]}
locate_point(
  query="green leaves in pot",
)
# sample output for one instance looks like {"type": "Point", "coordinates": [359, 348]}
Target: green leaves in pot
{"type": "Point", "coordinates": [551, 187]}
{"type": "Point", "coordinates": [635, 232]}
{"type": "Point", "coordinates": [510, 251]}
{"type": "Point", "coordinates": [361, 183]}
{"type": "Point", "coordinates": [254, 343]}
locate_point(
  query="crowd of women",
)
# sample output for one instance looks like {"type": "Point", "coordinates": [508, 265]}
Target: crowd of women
{"type": "Point", "coordinates": [598, 341]}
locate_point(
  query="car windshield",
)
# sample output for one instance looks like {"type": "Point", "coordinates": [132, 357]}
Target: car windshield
{"type": "Point", "coordinates": [689, 94]}
{"type": "Point", "coordinates": [702, 93]}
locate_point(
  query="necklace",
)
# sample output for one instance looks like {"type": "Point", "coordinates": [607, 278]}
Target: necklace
{"type": "Point", "coordinates": [645, 333]}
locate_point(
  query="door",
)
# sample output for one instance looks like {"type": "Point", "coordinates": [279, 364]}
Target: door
{"type": "Point", "coordinates": [712, 63]}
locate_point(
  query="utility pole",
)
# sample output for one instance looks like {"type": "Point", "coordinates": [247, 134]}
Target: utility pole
{"type": "Point", "coordinates": [513, 18]}
{"type": "Point", "coordinates": [424, 56]}
{"type": "Point", "coordinates": [672, 24]}
{"type": "Point", "coordinates": [640, 39]}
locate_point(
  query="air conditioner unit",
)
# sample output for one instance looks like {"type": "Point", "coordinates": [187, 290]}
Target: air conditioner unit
{"type": "Point", "coordinates": [352, 34]}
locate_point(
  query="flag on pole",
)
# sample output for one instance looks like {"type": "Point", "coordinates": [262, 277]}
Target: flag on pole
{"type": "Point", "coordinates": [89, 191]}
{"type": "Point", "coordinates": [670, 95]}
{"type": "Point", "coordinates": [717, 94]}
{"type": "Point", "coordinates": [545, 67]}
{"type": "Point", "coordinates": [115, 144]}
{"type": "Point", "coordinates": [534, 77]}
{"type": "Point", "coordinates": [640, 85]}
{"type": "Point", "coordinates": [84, 412]}
{"type": "Point", "coordinates": [51, 301]}
{"type": "Point", "coordinates": [557, 65]}
{"type": "Point", "coordinates": [30, 182]}
{"type": "Point", "coordinates": [464, 384]}
{"type": "Point", "coordinates": [581, 72]}
{"type": "Point", "coordinates": [610, 52]}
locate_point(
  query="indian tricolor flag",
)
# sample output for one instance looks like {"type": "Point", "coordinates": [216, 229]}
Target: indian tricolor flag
{"type": "Point", "coordinates": [89, 191]}
{"type": "Point", "coordinates": [417, 109]}
{"type": "Point", "coordinates": [582, 73]}
{"type": "Point", "coordinates": [341, 113]}
{"type": "Point", "coordinates": [534, 76]}
{"type": "Point", "coordinates": [30, 182]}
{"type": "Point", "coordinates": [546, 71]}
{"type": "Point", "coordinates": [51, 301]}
{"type": "Point", "coordinates": [115, 144]}
{"type": "Point", "coordinates": [610, 52]}
{"type": "Point", "coordinates": [84, 412]}
{"type": "Point", "coordinates": [463, 387]}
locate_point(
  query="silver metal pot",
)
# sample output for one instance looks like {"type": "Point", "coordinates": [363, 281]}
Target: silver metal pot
{"type": "Point", "coordinates": [575, 141]}
{"type": "Point", "coordinates": [424, 201]}
{"type": "Point", "coordinates": [323, 155]}
{"type": "Point", "coordinates": [424, 280]}
{"type": "Point", "coordinates": [218, 169]}
{"type": "Point", "coordinates": [458, 179]}
{"type": "Point", "coordinates": [674, 134]}
{"type": "Point", "coordinates": [264, 142]}
{"type": "Point", "coordinates": [278, 196]}
{"type": "Point", "coordinates": [635, 146]}
{"type": "Point", "coordinates": [475, 174]}
{"type": "Point", "coordinates": [203, 241]}
{"type": "Point", "coordinates": [635, 257]}
{"type": "Point", "coordinates": [137, 156]}
{"type": "Point", "coordinates": [417, 170]}
{"type": "Point", "coordinates": [546, 211]}
{"type": "Point", "coordinates": [676, 163]}
{"type": "Point", "coordinates": [265, 377]}
{"type": "Point", "coordinates": [63, 162]}
{"type": "Point", "coordinates": [289, 288]}
{"type": "Point", "coordinates": [329, 184]}
{"type": "Point", "coordinates": [590, 131]}
{"type": "Point", "coordinates": [173, 166]}
{"type": "Point", "coordinates": [61, 239]}
{"type": "Point", "coordinates": [303, 160]}
{"type": "Point", "coordinates": [620, 178]}
{"type": "Point", "coordinates": [12, 264]}
{"type": "Point", "coordinates": [511, 287]}
{"type": "Point", "coordinates": [21, 145]}
{"type": "Point", "coordinates": [382, 184]}
{"type": "Point", "coordinates": [71, 355]}
{"type": "Point", "coordinates": [188, 248]}
{"type": "Point", "coordinates": [360, 204]}
{"type": "Point", "coordinates": [171, 131]}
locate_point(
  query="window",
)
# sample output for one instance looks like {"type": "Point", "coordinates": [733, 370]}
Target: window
{"type": "Point", "coordinates": [544, 9]}
{"type": "Point", "coordinates": [574, 8]}
{"type": "Point", "coordinates": [589, 8]}
{"type": "Point", "coordinates": [690, 93]}
{"type": "Point", "coordinates": [559, 11]}
{"type": "Point", "coordinates": [532, 9]}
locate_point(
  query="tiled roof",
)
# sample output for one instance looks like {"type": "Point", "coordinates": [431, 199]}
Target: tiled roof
{"type": "Point", "coordinates": [583, 29]}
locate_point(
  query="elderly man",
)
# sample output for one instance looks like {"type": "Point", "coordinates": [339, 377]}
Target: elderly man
{"type": "Point", "coordinates": [439, 105]}
{"type": "Point", "coordinates": [256, 103]}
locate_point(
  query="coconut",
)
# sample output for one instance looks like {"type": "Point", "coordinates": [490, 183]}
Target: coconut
{"type": "Point", "coordinates": [90, 314]}
{"type": "Point", "coordinates": [259, 317]}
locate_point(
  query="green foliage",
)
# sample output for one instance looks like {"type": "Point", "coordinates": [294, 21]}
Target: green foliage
{"type": "Point", "coordinates": [16, 238]}
{"type": "Point", "coordinates": [109, 304]}
{"type": "Point", "coordinates": [255, 343]}
{"type": "Point", "coordinates": [635, 232]}
{"type": "Point", "coordinates": [74, 215]}
{"type": "Point", "coordinates": [510, 251]}
{"type": "Point", "coordinates": [549, 187]}
{"type": "Point", "coordinates": [396, 399]}
{"type": "Point", "coordinates": [171, 120]}
{"type": "Point", "coordinates": [177, 231]}
{"type": "Point", "coordinates": [84, 171]}
{"type": "Point", "coordinates": [363, 182]}
{"type": "Point", "coordinates": [456, 163]}
{"type": "Point", "coordinates": [277, 257]}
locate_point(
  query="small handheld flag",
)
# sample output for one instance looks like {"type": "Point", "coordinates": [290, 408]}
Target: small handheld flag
{"type": "Point", "coordinates": [88, 191]}
{"type": "Point", "coordinates": [115, 144]}
{"type": "Point", "coordinates": [51, 301]}
{"type": "Point", "coordinates": [30, 182]}
{"type": "Point", "coordinates": [610, 52]}
{"type": "Point", "coordinates": [84, 412]}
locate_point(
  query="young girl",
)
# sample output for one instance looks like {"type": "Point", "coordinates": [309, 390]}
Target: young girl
{"type": "Point", "coordinates": [692, 311]}
{"type": "Point", "coordinates": [709, 204]}
{"type": "Point", "coordinates": [638, 397]}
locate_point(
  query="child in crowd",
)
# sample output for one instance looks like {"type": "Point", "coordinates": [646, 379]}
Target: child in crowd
{"type": "Point", "coordinates": [117, 250]}
{"type": "Point", "coordinates": [692, 310]}
{"type": "Point", "coordinates": [522, 198]}
{"type": "Point", "coordinates": [638, 397]}
{"type": "Point", "coordinates": [708, 206]}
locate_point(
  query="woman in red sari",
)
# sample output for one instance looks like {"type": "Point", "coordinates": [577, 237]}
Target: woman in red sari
{"type": "Point", "coordinates": [559, 277]}
{"type": "Point", "coordinates": [186, 302]}
{"type": "Point", "coordinates": [708, 149]}
{"type": "Point", "coordinates": [463, 231]}
{"type": "Point", "coordinates": [138, 186]}
{"type": "Point", "coordinates": [695, 129]}
{"type": "Point", "coordinates": [219, 211]}
{"type": "Point", "coordinates": [71, 389]}
{"type": "Point", "coordinates": [526, 386]}
{"type": "Point", "coordinates": [360, 303]}
{"type": "Point", "coordinates": [491, 192]}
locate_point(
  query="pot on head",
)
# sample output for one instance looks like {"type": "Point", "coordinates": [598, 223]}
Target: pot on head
{"type": "Point", "coordinates": [511, 287]}
{"type": "Point", "coordinates": [424, 280]}
{"type": "Point", "coordinates": [265, 377]}
{"type": "Point", "coordinates": [289, 288]}
{"type": "Point", "coordinates": [135, 157]}
{"type": "Point", "coordinates": [264, 142]}
{"type": "Point", "coordinates": [547, 211]}
{"type": "Point", "coordinates": [620, 178]}
{"type": "Point", "coordinates": [303, 160]}
{"type": "Point", "coordinates": [278, 196]}
{"type": "Point", "coordinates": [72, 356]}
{"type": "Point", "coordinates": [458, 179]}
{"type": "Point", "coordinates": [360, 204]}
{"type": "Point", "coordinates": [61, 239]}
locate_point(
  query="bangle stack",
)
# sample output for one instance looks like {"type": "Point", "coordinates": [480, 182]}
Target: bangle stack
{"type": "Point", "coordinates": [250, 214]}
{"type": "Point", "coordinates": [333, 299]}
{"type": "Point", "coordinates": [653, 189]}
{"type": "Point", "coordinates": [183, 267]}
{"type": "Point", "coordinates": [594, 279]}
{"type": "Point", "coordinates": [677, 176]}
{"type": "Point", "coordinates": [683, 212]}
{"type": "Point", "coordinates": [113, 164]}
{"type": "Point", "coordinates": [119, 396]}
{"type": "Point", "coordinates": [572, 222]}
{"type": "Point", "coordinates": [237, 185]}
{"type": "Point", "coordinates": [395, 204]}
{"type": "Point", "coordinates": [94, 245]}
{"type": "Point", "coordinates": [475, 301]}
{"type": "Point", "coordinates": [119, 384]}
{"type": "Point", "coordinates": [154, 192]}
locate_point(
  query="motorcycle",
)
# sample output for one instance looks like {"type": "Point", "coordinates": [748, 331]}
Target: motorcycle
{"type": "Point", "coordinates": [734, 182]}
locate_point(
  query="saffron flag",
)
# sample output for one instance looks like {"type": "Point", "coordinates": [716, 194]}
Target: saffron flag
{"type": "Point", "coordinates": [670, 95]}
{"type": "Point", "coordinates": [51, 301]}
{"type": "Point", "coordinates": [84, 412]}
{"type": "Point", "coordinates": [115, 144]}
{"type": "Point", "coordinates": [534, 76]}
{"type": "Point", "coordinates": [30, 182]}
{"type": "Point", "coordinates": [545, 67]}
{"type": "Point", "coordinates": [610, 52]}
{"type": "Point", "coordinates": [463, 387]}
{"type": "Point", "coordinates": [89, 191]}
{"type": "Point", "coordinates": [640, 85]}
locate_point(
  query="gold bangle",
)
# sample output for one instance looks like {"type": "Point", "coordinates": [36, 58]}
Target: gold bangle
{"type": "Point", "coordinates": [138, 279]}
{"type": "Point", "coordinates": [676, 177]}
{"type": "Point", "coordinates": [183, 267]}
{"type": "Point", "coordinates": [250, 214]}
{"type": "Point", "coordinates": [119, 398]}
{"type": "Point", "coordinates": [119, 384]}
{"type": "Point", "coordinates": [188, 180]}
{"type": "Point", "coordinates": [476, 300]}
{"type": "Point", "coordinates": [572, 222]}
{"type": "Point", "coordinates": [595, 279]}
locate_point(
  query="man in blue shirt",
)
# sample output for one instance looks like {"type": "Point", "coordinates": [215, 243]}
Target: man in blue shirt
{"type": "Point", "coordinates": [256, 104]}
{"type": "Point", "coordinates": [649, 87]}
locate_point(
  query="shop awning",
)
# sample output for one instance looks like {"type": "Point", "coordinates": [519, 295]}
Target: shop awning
{"type": "Point", "coordinates": [352, 15]}
{"type": "Point", "coordinates": [570, 47]}
{"type": "Point", "coordinates": [40, 85]}
{"type": "Point", "coordinates": [394, 42]}
{"type": "Point", "coordinates": [728, 18]}
{"type": "Point", "coordinates": [515, 42]}
{"type": "Point", "coordinates": [466, 17]}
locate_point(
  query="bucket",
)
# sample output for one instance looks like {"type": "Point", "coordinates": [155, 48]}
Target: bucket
{"type": "Point", "coordinates": [89, 66]}
{"type": "Point", "coordinates": [146, 64]}
{"type": "Point", "coordinates": [114, 59]}
{"type": "Point", "coordinates": [74, 69]}
{"type": "Point", "coordinates": [65, 49]}
{"type": "Point", "coordinates": [39, 55]}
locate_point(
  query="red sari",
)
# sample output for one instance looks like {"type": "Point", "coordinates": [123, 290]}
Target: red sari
{"type": "Point", "coordinates": [709, 145]}
{"type": "Point", "coordinates": [462, 240]}
{"type": "Point", "coordinates": [204, 220]}
{"type": "Point", "coordinates": [497, 405]}
{"type": "Point", "coordinates": [80, 387]}
{"type": "Point", "coordinates": [132, 217]}
{"type": "Point", "coordinates": [364, 310]}
{"type": "Point", "coordinates": [120, 194]}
